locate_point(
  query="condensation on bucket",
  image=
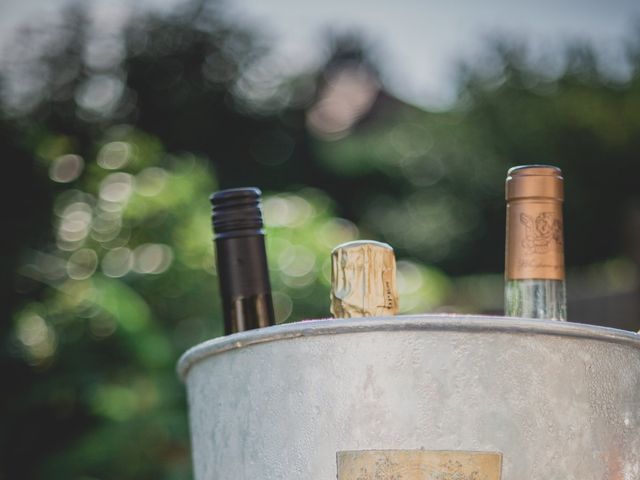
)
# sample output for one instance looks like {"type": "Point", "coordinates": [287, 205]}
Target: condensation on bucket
{"type": "Point", "coordinates": [558, 401]}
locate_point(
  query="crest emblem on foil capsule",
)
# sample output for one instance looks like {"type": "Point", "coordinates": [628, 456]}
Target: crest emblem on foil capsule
{"type": "Point", "coordinates": [541, 231]}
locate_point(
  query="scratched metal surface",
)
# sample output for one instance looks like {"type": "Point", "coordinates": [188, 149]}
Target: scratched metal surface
{"type": "Point", "coordinates": [561, 401]}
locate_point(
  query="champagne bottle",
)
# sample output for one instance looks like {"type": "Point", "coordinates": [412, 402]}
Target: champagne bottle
{"type": "Point", "coordinates": [242, 260]}
{"type": "Point", "coordinates": [534, 250]}
{"type": "Point", "coordinates": [363, 280]}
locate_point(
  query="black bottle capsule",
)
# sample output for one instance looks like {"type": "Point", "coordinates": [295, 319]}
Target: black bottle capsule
{"type": "Point", "coordinates": [242, 260]}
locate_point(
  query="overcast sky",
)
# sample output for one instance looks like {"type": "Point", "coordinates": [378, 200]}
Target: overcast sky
{"type": "Point", "coordinates": [420, 41]}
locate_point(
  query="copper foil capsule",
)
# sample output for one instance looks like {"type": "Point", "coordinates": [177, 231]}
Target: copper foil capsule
{"type": "Point", "coordinates": [534, 243]}
{"type": "Point", "coordinates": [363, 280]}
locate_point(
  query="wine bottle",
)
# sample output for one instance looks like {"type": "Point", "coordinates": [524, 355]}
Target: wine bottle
{"type": "Point", "coordinates": [363, 280]}
{"type": "Point", "coordinates": [534, 250]}
{"type": "Point", "coordinates": [241, 260]}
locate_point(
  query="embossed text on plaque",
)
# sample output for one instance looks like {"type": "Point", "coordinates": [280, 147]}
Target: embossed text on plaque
{"type": "Point", "coordinates": [418, 465]}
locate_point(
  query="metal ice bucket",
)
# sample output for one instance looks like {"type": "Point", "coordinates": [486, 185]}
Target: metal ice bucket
{"type": "Point", "coordinates": [559, 401]}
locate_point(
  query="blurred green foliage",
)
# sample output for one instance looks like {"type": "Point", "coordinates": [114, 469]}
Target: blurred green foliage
{"type": "Point", "coordinates": [130, 285]}
{"type": "Point", "coordinates": [116, 141]}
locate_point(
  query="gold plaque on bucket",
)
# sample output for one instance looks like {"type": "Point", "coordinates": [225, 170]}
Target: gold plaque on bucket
{"type": "Point", "coordinates": [418, 465]}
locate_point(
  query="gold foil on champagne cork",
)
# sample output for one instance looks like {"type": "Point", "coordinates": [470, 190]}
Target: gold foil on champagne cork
{"type": "Point", "coordinates": [363, 280]}
{"type": "Point", "coordinates": [534, 243]}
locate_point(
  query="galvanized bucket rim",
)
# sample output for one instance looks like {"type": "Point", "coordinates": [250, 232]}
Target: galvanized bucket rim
{"type": "Point", "coordinates": [425, 322]}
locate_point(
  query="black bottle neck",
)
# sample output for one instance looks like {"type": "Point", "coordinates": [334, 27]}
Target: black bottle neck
{"type": "Point", "coordinates": [242, 260]}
